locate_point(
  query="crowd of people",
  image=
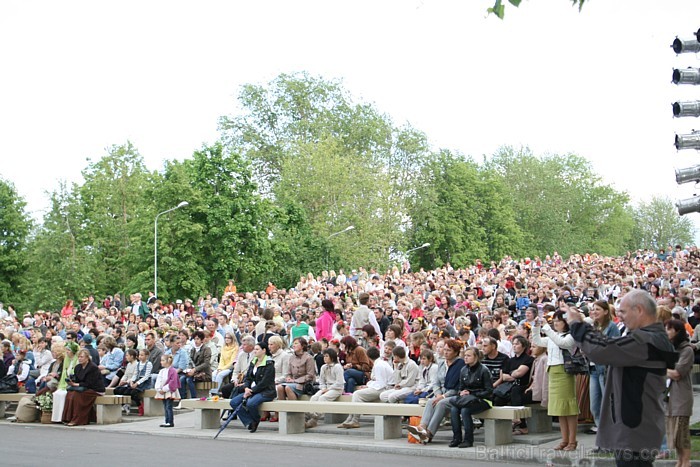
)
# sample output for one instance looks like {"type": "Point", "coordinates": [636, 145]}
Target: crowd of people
{"type": "Point", "coordinates": [456, 340]}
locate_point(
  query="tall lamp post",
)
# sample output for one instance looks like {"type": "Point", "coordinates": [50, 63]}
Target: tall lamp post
{"type": "Point", "coordinates": [155, 245]}
{"type": "Point", "coordinates": [328, 252]}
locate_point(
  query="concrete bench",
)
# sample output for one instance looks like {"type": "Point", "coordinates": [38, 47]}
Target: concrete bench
{"type": "Point", "coordinates": [109, 408]}
{"type": "Point", "coordinates": [7, 399]}
{"type": "Point", "coordinates": [539, 421]}
{"type": "Point", "coordinates": [387, 417]}
{"type": "Point", "coordinates": [695, 374]}
{"type": "Point", "coordinates": [153, 407]}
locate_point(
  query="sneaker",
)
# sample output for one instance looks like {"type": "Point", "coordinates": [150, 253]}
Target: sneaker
{"type": "Point", "coordinates": [126, 408]}
{"type": "Point", "coordinates": [312, 423]}
{"type": "Point", "coordinates": [465, 444]}
{"type": "Point", "coordinates": [166, 425]}
{"type": "Point", "coordinates": [418, 433]}
{"type": "Point", "coordinates": [178, 407]}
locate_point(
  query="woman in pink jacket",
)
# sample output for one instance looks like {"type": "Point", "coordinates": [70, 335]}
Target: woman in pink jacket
{"type": "Point", "coordinates": [324, 323]}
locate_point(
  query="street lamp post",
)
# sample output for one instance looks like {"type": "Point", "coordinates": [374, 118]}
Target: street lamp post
{"type": "Point", "coordinates": [425, 245]}
{"type": "Point", "coordinates": [155, 245]}
{"type": "Point", "coordinates": [328, 252]}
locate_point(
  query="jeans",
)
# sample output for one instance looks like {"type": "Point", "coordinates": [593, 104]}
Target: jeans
{"type": "Point", "coordinates": [249, 412]}
{"type": "Point", "coordinates": [596, 387]}
{"type": "Point", "coordinates": [30, 386]}
{"type": "Point", "coordinates": [353, 378]}
{"type": "Point", "coordinates": [413, 399]}
{"type": "Point", "coordinates": [168, 409]}
{"type": "Point", "coordinates": [466, 415]}
{"type": "Point", "coordinates": [185, 383]}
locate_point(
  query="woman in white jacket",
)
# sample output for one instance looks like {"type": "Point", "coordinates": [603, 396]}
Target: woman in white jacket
{"type": "Point", "coordinates": [331, 381]}
{"type": "Point", "coordinates": [562, 386]}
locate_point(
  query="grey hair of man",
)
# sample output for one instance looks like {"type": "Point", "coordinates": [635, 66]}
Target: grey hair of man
{"type": "Point", "coordinates": [248, 339]}
{"type": "Point", "coordinates": [638, 297]}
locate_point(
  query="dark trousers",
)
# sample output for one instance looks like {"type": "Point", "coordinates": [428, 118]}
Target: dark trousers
{"type": "Point", "coordinates": [127, 391]}
{"type": "Point", "coordinates": [466, 421]}
{"type": "Point", "coordinates": [518, 396]}
{"type": "Point", "coordinates": [624, 458]}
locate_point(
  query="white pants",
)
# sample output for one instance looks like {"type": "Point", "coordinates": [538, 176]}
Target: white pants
{"type": "Point", "coordinates": [395, 395]}
{"type": "Point", "coordinates": [328, 396]}
{"type": "Point", "coordinates": [59, 401]}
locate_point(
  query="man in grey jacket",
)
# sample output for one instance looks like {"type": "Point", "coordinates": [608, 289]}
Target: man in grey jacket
{"type": "Point", "coordinates": [632, 416]}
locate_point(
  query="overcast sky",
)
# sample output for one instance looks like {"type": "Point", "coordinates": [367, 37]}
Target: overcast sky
{"type": "Point", "coordinates": [80, 76]}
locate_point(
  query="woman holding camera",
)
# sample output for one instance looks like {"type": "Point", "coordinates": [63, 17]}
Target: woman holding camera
{"type": "Point", "coordinates": [83, 388]}
{"type": "Point", "coordinates": [562, 389]}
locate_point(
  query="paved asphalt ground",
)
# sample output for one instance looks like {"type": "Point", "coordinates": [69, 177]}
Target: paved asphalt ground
{"type": "Point", "coordinates": [36, 445]}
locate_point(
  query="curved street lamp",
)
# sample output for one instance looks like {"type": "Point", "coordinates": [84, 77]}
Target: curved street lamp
{"type": "Point", "coordinates": [328, 253]}
{"type": "Point", "coordinates": [155, 245]}
{"type": "Point", "coordinates": [425, 245]}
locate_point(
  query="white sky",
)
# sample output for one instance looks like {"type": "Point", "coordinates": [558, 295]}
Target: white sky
{"type": "Point", "coordinates": [78, 76]}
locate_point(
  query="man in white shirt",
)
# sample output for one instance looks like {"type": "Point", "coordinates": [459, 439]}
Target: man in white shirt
{"type": "Point", "coordinates": [381, 380]}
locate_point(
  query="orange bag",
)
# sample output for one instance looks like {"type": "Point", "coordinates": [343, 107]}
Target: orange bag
{"type": "Point", "coordinates": [413, 421]}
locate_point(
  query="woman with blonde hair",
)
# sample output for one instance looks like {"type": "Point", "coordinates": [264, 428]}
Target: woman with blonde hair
{"type": "Point", "coordinates": [83, 389]}
{"type": "Point", "coordinates": [227, 358]}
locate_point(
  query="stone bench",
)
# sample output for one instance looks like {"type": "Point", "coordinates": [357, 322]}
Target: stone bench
{"type": "Point", "coordinates": [108, 408]}
{"type": "Point", "coordinates": [539, 421]}
{"type": "Point", "coordinates": [387, 417]}
{"type": "Point", "coordinates": [153, 407]}
{"type": "Point", "coordinates": [695, 374]}
{"type": "Point", "coordinates": [7, 399]}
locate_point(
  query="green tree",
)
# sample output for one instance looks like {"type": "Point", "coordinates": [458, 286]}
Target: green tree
{"type": "Point", "coordinates": [297, 248]}
{"type": "Point", "coordinates": [60, 265]}
{"type": "Point", "coordinates": [15, 227]}
{"type": "Point", "coordinates": [307, 140]}
{"type": "Point", "coordinates": [339, 188]}
{"type": "Point", "coordinates": [658, 225]}
{"type": "Point", "coordinates": [463, 212]}
{"type": "Point", "coordinates": [181, 271]}
{"type": "Point", "coordinates": [235, 221]}
{"type": "Point", "coordinates": [561, 204]}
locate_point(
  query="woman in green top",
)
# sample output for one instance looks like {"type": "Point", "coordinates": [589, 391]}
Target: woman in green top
{"type": "Point", "coordinates": [59, 396]}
